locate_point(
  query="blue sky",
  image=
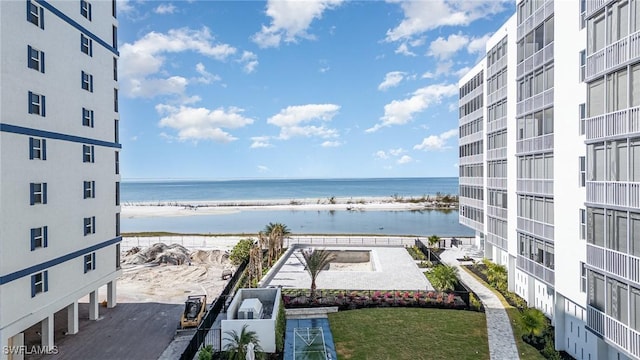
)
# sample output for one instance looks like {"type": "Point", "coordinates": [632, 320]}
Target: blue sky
{"type": "Point", "coordinates": [296, 89]}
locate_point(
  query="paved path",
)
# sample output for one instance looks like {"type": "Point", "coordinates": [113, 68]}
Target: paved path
{"type": "Point", "coordinates": [502, 345]}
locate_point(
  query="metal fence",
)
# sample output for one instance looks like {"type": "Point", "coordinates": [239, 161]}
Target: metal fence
{"type": "Point", "coordinates": [210, 317]}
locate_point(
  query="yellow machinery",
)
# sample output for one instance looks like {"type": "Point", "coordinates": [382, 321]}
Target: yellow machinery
{"type": "Point", "coordinates": [194, 309]}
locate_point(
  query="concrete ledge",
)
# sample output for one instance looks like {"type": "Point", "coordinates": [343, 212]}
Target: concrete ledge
{"type": "Point", "coordinates": [310, 313]}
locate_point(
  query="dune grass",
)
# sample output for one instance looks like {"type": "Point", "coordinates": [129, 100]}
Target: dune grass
{"type": "Point", "coordinates": [409, 333]}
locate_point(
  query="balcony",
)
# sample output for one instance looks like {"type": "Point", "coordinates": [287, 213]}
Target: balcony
{"type": "Point", "coordinates": [497, 95]}
{"type": "Point", "coordinates": [497, 212]}
{"type": "Point", "coordinates": [497, 241]}
{"type": "Point", "coordinates": [471, 116]}
{"type": "Point", "coordinates": [476, 136]}
{"type": "Point", "coordinates": [613, 331]}
{"type": "Point", "coordinates": [535, 103]}
{"type": "Point", "coordinates": [614, 124]}
{"type": "Point", "coordinates": [535, 144]}
{"type": "Point", "coordinates": [535, 186]}
{"type": "Point", "coordinates": [536, 228]}
{"type": "Point", "coordinates": [593, 6]}
{"type": "Point", "coordinates": [497, 183]}
{"type": "Point", "coordinates": [496, 154]}
{"type": "Point", "coordinates": [534, 61]}
{"type": "Point", "coordinates": [478, 204]}
{"type": "Point", "coordinates": [618, 193]}
{"type": "Point", "coordinates": [472, 94]}
{"type": "Point", "coordinates": [471, 159]}
{"type": "Point", "coordinates": [497, 66]}
{"type": "Point", "coordinates": [471, 223]}
{"type": "Point", "coordinates": [535, 19]}
{"type": "Point", "coordinates": [497, 124]}
{"type": "Point", "coordinates": [614, 262]}
{"type": "Point", "coordinates": [612, 55]}
{"type": "Point", "coordinates": [474, 181]}
{"type": "Point", "coordinates": [536, 269]}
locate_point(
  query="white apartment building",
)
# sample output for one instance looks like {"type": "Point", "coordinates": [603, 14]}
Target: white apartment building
{"type": "Point", "coordinates": [563, 216]}
{"type": "Point", "coordinates": [59, 164]}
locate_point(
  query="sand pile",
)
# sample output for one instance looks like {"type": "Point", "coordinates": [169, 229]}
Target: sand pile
{"type": "Point", "coordinates": [169, 273]}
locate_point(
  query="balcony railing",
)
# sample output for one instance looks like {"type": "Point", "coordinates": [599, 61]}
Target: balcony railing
{"type": "Point", "coordinates": [497, 124]}
{"type": "Point", "coordinates": [497, 95]}
{"type": "Point", "coordinates": [593, 6]}
{"type": "Point", "coordinates": [478, 204]}
{"type": "Point", "coordinates": [619, 123]}
{"type": "Point", "coordinates": [534, 19]}
{"type": "Point", "coordinates": [536, 228]}
{"type": "Point", "coordinates": [466, 180]}
{"type": "Point", "coordinates": [497, 183]}
{"type": "Point", "coordinates": [472, 94]}
{"type": "Point", "coordinates": [613, 55]}
{"type": "Point", "coordinates": [613, 330]}
{"type": "Point", "coordinates": [535, 186]}
{"type": "Point", "coordinates": [535, 103]}
{"type": "Point", "coordinates": [497, 212]}
{"type": "Point", "coordinates": [614, 262]}
{"type": "Point", "coordinates": [535, 144]}
{"type": "Point", "coordinates": [476, 136]}
{"type": "Point", "coordinates": [471, 116]}
{"type": "Point", "coordinates": [497, 66]}
{"type": "Point", "coordinates": [471, 223]}
{"type": "Point", "coordinates": [535, 60]}
{"type": "Point", "coordinates": [619, 193]}
{"type": "Point", "coordinates": [472, 159]}
{"type": "Point", "coordinates": [536, 269]}
{"type": "Point", "coordinates": [494, 154]}
{"type": "Point", "coordinates": [497, 241]}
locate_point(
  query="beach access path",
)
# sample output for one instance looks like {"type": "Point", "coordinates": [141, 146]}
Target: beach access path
{"type": "Point", "coordinates": [502, 345]}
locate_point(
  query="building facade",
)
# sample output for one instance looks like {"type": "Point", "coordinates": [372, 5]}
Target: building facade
{"type": "Point", "coordinates": [59, 164]}
{"type": "Point", "coordinates": [561, 167]}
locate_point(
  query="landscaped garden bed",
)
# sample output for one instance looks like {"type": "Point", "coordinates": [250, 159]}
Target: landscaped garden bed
{"type": "Point", "coordinates": [355, 299]}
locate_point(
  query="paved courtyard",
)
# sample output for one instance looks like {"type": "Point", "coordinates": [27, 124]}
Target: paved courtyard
{"type": "Point", "coordinates": [392, 268]}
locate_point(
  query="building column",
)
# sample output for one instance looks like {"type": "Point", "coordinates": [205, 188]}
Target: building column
{"type": "Point", "coordinates": [72, 318]}
{"type": "Point", "coordinates": [17, 341]}
{"type": "Point", "coordinates": [111, 294]}
{"type": "Point", "coordinates": [93, 305]}
{"type": "Point", "coordinates": [47, 332]}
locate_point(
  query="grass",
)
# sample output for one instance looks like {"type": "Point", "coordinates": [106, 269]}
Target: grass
{"type": "Point", "coordinates": [409, 333]}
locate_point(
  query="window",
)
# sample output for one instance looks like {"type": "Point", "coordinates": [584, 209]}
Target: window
{"type": "Point", "coordinates": [117, 155]}
{"type": "Point", "coordinates": [89, 262]}
{"type": "Point", "coordinates": [87, 81]}
{"type": "Point", "coordinates": [86, 45]}
{"type": "Point", "coordinates": [117, 224]}
{"type": "Point", "coordinates": [36, 104]}
{"type": "Point", "coordinates": [39, 283]}
{"type": "Point", "coordinates": [35, 59]}
{"type": "Point", "coordinates": [583, 171]}
{"type": "Point", "coordinates": [115, 69]}
{"type": "Point", "coordinates": [114, 34]}
{"type": "Point", "coordinates": [634, 159]}
{"type": "Point", "coordinates": [35, 14]}
{"type": "Point", "coordinates": [596, 163]}
{"type": "Point", "coordinates": [117, 193]}
{"type": "Point", "coordinates": [634, 235]}
{"type": "Point", "coordinates": [89, 189]}
{"type": "Point", "coordinates": [635, 308]}
{"type": "Point", "coordinates": [117, 255]}
{"type": "Point", "coordinates": [85, 9]}
{"type": "Point", "coordinates": [617, 230]}
{"type": "Point", "coordinates": [87, 117]}
{"type": "Point", "coordinates": [39, 237]}
{"type": "Point", "coordinates": [583, 64]}
{"type": "Point", "coordinates": [88, 153]}
{"type": "Point", "coordinates": [115, 100]}
{"type": "Point", "coordinates": [116, 131]}
{"type": "Point", "coordinates": [617, 301]}
{"type": "Point", "coordinates": [595, 284]}
{"type": "Point", "coordinates": [113, 8]}
{"type": "Point", "coordinates": [38, 193]}
{"type": "Point", "coordinates": [583, 277]}
{"type": "Point", "coordinates": [583, 224]}
{"type": "Point", "coordinates": [37, 148]}
{"type": "Point", "coordinates": [595, 34]}
{"type": "Point", "coordinates": [582, 113]}
{"type": "Point", "coordinates": [89, 225]}
{"type": "Point", "coordinates": [595, 226]}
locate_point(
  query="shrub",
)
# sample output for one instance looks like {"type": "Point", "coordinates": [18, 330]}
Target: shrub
{"type": "Point", "coordinates": [240, 252]}
{"type": "Point", "coordinates": [474, 303]}
{"type": "Point", "coordinates": [206, 353]}
{"type": "Point", "coordinates": [443, 277]}
{"type": "Point", "coordinates": [416, 253]}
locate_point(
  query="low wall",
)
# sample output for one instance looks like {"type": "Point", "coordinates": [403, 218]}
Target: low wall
{"type": "Point", "coordinates": [351, 256]}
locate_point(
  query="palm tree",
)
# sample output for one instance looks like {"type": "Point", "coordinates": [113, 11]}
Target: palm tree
{"type": "Point", "coordinates": [236, 348]}
{"type": "Point", "coordinates": [532, 322]}
{"type": "Point", "coordinates": [316, 260]}
{"type": "Point", "coordinates": [497, 275]}
{"type": "Point", "coordinates": [444, 277]}
{"type": "Point", "coordinates": [433, 239]}
{"type": "Point", "coordinates": [276, 233]}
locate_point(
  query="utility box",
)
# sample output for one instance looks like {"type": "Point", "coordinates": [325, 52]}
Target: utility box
{"type": "Point", "coordinates": [250, 309]}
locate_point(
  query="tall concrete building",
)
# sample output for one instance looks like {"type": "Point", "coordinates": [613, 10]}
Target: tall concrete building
{"type": "Point", "coordinates": [561, 207]}
{"type": "Point", "coordinates": [59, 164]}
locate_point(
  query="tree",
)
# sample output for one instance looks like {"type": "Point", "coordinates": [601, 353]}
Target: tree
{"type": "Point", "coordinates": [272, 237]}
{"type": "Point", "coordinates": [237, 347]}
{"type": "Point", "coordinates": [443, 277]}
{"type": "Point", "coordinates": [240, 251]}
{"type": "Point", "coordinates": [433, 239]}
{"type": "Point", "coordinates": [532, 322]}
{"type": "Point", "coordinates": [496, 275]}
{"type": "Point", "coordinates": [316, 261]}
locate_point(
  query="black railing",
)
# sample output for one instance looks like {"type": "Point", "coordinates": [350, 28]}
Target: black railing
{"type": "Point", "coordinates": [211, 315]}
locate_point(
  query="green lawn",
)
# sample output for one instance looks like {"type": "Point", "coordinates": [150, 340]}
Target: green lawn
{"type": "Point", "coordinates": [409, 333]}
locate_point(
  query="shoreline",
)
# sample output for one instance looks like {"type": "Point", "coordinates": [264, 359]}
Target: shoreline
{"type": "Point", "coordinates": [132, 210]}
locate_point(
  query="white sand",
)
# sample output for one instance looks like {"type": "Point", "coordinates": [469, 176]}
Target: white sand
{"type": "Point", "coordinates": [190, 208]}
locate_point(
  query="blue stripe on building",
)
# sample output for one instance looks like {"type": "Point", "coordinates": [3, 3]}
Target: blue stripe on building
{"type": "Point", "coordinates": [56, 136]}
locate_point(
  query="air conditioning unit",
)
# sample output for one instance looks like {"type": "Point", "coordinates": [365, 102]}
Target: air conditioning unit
{"type": "Point", "coordinates": [250, 309]}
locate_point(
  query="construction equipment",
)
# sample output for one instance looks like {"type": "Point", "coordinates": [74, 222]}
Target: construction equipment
{"type": "Point", "coordinates": [194, 309]}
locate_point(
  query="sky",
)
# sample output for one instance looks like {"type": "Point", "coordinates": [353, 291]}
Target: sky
{"type": "Point", "coordinates": [296, 89]}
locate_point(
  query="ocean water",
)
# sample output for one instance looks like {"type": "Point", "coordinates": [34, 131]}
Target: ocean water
{"type": "Point", "coordinates": [154, 191]}
{"type": "Point", "coordinates": [419, 223]}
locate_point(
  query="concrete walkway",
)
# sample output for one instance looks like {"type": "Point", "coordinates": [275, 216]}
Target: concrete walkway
{"type": "Point", "coordinates": [502, 345]}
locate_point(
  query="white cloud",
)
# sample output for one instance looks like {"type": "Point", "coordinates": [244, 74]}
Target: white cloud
{"type": "Point", "coordinates": [478, 45]}
{"type": "Point", "coordinates": [263, 169]}
{"type": "Point", "coordinates": [405, 159]}
{"type": "Point", "coordinates": [436, 142]}
{"type": "Point", "coordinates": [124, 6]}
{"type": "Point", "coordinates": [380, 154]}
{"type": "Point", "coordinates": [397, 152]}
{"type": "Point", "coordinates": [205, 76]}
{"type": "Point", "coordinates": [462, 71]}
{"type": "Point", "coordinates": [403, 49]}
{"type": "Point", "coordinates": [249, 61]}
{"type": "Point", "coordinates": [331, 143]}
{"type": "Point", "coordinates": [260, 142]}
{"type": "Point", "coordinates": [422, 16]}
{"type": "Point", "coordinates": [444, 67]}
{"type": "Point", "coordinates": [290, 20]}
{"type": "Point", "coordinates": [202, 124]}
{"type": "Point", "coordinates": [400, 112]}
{"type": "Point", "coordinates": [391, 79]}
{"type": "Point", "coordinates": [141, 60]}
{"type": "Point", "coordinates": [165, 9]}
{"type": "Point", "coordinates": [427, 75]}
{"type": "Point", "coordinates": [293, 121]}
{"type": "Point", "coordinates": [442, 48]}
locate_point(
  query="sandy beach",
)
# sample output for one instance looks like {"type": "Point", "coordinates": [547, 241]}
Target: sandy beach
{"type": "Point", "coordinates": [191, 208]}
